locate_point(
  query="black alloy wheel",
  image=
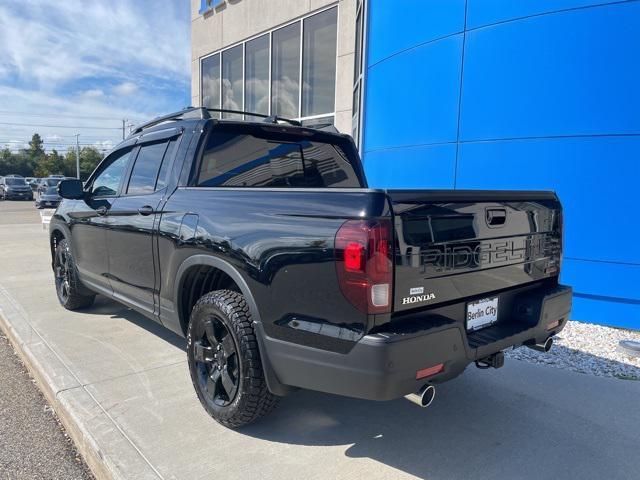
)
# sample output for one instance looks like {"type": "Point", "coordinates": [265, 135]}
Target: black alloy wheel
{"type": "Point", "coordinates": [71, 294]}
{"type": "Point", "coordinates": [216, 358]}
{"type": "Point", "coordinates": [61, 273]}
{"type": "Point", "coordinates": [224, 361]}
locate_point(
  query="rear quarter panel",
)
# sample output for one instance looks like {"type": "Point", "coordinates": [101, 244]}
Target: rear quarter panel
{"type": "Point", "coordinates": [281, 241]}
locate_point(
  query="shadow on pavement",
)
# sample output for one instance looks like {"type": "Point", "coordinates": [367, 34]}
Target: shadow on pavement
{"type": "Point", "coordinates": [521, 421]}
{"type": "Point", "coordinates": [107, 306]}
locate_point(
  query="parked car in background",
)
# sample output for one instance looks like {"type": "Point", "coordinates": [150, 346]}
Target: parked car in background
{"type": "Point", "coordinates": [33, 183]}
{"type": "Point", "coordinates": [48, 199]}
{"type": "Point", "coordinates": [45, 183]}
{"type": "Point", "coordinates": [15, 188]}
{"type": "Point", "coordinates": [262, 244]}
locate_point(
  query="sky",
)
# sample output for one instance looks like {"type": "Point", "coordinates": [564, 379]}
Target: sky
{"type": "Point", "coordinates": [82, 66]}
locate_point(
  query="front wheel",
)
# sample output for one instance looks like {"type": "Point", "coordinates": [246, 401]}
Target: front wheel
{"type": "Point", "coordinates": [224, 360]}
{"type": "Point", "coordinates": [68, 285]}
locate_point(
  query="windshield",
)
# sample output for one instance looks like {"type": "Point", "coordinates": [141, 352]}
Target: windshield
{"type": "Point", "coordinates": [51, 191]}
{"type": "Point", "coordinates": [14, 181]}
{"type": "Point", "coordinates": [52, 182]}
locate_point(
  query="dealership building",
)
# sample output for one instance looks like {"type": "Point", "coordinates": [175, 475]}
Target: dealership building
{"type": "Point", "coordinates": [459, 94]}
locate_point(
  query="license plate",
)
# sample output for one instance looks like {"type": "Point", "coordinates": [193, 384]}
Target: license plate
{"type": "Point", "coordinates": [482, 313]}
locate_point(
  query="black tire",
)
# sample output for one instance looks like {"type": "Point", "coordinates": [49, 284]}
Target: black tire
{"type": "Point", "coordinates": [224, 360]}
{"type": "Point", "coordinates": [68, 287]}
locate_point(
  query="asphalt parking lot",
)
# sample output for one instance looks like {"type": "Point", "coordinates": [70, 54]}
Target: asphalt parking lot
{"type": "Point", "coordinates": [122, 384]}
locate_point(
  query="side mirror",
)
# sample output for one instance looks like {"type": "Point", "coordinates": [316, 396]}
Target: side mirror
{"type": "Point", "coordinates": [71, 189]}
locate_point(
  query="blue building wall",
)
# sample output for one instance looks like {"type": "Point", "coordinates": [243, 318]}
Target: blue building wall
{"type": "Point", "coordinates": [519, 94]}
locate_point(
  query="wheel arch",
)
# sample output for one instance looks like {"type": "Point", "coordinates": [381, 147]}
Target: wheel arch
{"type": "Point", "coordinates": [199, 260]}
{"type": "Point", "coordinates": [56, 233]}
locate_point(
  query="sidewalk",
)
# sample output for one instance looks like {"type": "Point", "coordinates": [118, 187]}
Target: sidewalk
{"type": "Point", "coordinates": [120, 385]}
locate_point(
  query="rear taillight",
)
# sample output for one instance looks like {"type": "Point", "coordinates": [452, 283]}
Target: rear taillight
{"type": "Point", "coordinates": [364, 264]}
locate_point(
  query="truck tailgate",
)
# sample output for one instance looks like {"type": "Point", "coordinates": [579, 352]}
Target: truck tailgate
{"type": "Point", "coordinates": [451, 245]}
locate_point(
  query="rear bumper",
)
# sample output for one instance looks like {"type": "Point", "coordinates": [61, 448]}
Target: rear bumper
{"type": "Point", "coordinates": [19, 196]}
{"type": "Point", "coordinates": [383, 366]}
{"type": "Point", "coordinates": [48, 203]}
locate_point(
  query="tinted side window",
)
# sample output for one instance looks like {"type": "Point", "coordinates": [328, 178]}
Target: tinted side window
{"type": "Point", "coordinates": [108, 180]}
{"type": "Point", "coordinates": [164, 168]}
{"type": "Point", "coordinates": [242, 160]}
{"type": "Point", "coordinates": [145, 171]}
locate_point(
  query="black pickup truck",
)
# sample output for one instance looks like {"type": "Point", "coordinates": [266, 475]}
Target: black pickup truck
{"type": "Point", "coordinates": [262, 244]}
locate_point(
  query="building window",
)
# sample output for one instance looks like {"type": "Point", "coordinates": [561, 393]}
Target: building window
{"type": "Point", "coordinates": [265, 74]}
{"type": "Point", "coordinates": [358, 74]}
{"type": "Point", "coordinates": [211, 81]}
{"type": "Point", "coordinates": [232, 80]}
{"type": "Point", "coordinates": [319, 63]}
{"type": "Point", "coordinates": [285, 71]}
{"type": "Point", "coordinates": [256, 75]}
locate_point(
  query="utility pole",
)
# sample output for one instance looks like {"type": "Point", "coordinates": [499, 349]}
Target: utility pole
{"type": "Point", "coordinates": [77, 156]}
{"type": "Point", "coordinates": [124, 124]}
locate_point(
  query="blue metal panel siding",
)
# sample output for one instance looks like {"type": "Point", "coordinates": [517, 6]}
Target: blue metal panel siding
{"type": "Point", "coordinates": [531, 94]}
{"type": "Point", "coordinates": [569, 73]}
{"type": "Point", "coordinates": [419, 21]}
{"type": "Point", "coordinates": [487, 12]}
{"type": "Point", "coordinates": [427, 166]}
{"type": "Point", "coordinates": [435, 109]}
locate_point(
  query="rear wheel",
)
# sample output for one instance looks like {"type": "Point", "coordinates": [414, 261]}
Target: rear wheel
{"type": "Point", "coordinates": [68, 285]}
{"type": "Point", "coordinates": [224, 360]}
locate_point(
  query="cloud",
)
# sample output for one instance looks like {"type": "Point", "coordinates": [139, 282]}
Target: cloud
{"type": "Point", "coordinates": [89, 65]}
{"type": "Point", "coordinates": [15, 145]}
{"type": "Point", "coordinates": [53, 42]}
{"type": "Point", "coordinates": [93, 93]}
{"type": "Point", "coordinates": [125, 88]}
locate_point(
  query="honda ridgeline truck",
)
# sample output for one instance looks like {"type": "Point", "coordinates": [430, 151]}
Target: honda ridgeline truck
{"type": "Point", "coordinates": [261, 242]}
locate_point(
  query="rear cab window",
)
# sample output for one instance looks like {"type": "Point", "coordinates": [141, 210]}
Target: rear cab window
{"type": "Point", "coordinates": [267, 157]}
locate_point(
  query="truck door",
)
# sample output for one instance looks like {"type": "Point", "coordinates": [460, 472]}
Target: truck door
{"type": "Point", "coordinates": [89, 220]}
{"type": "Point", "coordinates": [132, 222]}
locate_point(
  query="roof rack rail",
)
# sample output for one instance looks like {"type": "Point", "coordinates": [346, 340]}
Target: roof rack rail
{"type": "Point", "coordinates": [188, 112]}
{"type": "Point", "coordinates": [267, 118]}
{"type": "Point", "coordinates": [203, 113]}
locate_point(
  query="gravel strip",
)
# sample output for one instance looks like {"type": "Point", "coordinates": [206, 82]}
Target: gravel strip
{"type": "Point", "coordinates": [33, 443]}
{"type": "Point", "coordinates": [587, 348]}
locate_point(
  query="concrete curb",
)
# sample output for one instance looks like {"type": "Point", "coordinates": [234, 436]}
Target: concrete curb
{"type": "Point", "coordinates": [112, 456]}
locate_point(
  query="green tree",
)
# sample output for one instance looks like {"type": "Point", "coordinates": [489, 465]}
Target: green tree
{"type": "Point", "coordinates": [56, 162]}
{"type": "Point", "coordinates": [89, 159]}
{"type": "Point", "coordinates": [51, 164]}
{"type": "Point", "coordinates": [36, 146]}
{"type": "Point", "coordinates": [35, 157]}
{"type": "Point", "coordinates": [17, 163]}
{"type": "Point", "coordinates": [5, 160]}
{"type": "Point", "coordinates": [70, 162]}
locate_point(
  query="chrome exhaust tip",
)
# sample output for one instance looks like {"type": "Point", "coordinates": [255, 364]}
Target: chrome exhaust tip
{"type": "Point", "coordinates": [423, 397]}
{"type": "Point", "coordinates": [542, 347]}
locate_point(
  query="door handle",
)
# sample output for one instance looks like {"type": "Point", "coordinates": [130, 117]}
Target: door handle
{"type": "Point", "coordinates": [101, 210]}
{"type": "Point", "coordinates": [146, 210]}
